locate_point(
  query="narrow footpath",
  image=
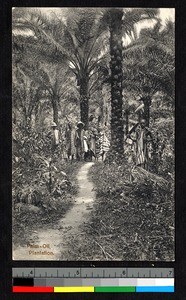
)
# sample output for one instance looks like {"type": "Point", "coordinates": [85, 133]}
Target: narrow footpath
{"type": "Point", "coordinates": [54, 242]}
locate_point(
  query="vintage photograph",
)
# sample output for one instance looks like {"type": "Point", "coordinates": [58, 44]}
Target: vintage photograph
{"type": "Point", "coordinates": [93, 134]}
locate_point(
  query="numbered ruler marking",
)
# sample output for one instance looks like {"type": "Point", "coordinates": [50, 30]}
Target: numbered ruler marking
{"type": "Point", "coordinates": [93, 272]}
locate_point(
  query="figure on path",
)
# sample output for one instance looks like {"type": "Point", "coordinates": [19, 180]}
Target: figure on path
{"type": "Point", "coordinates": [105, 145]}
{"type": "Point", "coordinates": [92, 141]}
{"type": "Point", "coordinates": [79, 141]}
{"type": "Point", "coordinates": [102, 145]}
{"type": "Point", "coordinates": [55, 137]}
{"type": "Point", "coordinates": [85, 147]}
{"type": "Point", "coordinates": [142, 137]}
{"type": "Point", "coordinates": [70, 136]}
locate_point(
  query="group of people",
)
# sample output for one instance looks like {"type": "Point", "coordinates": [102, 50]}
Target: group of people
{"type": "Point", "coordinates": [81, 144]}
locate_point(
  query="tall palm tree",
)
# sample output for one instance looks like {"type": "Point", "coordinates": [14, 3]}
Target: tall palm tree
{"type": "Point", "coordinates": [121, 23]}
{"type": "Point", "coordinates": [115, 27]}
{"type": "Point", "coordinates": [77, 40]}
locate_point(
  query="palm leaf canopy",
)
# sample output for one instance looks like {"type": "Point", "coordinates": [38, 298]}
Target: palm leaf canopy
{"type": "Point", "coordinates": [29, 58]}
{"type": "Point", "coordinates": [76, 38]}
{"type": "Point", "coordinates": [134, 16]}
{"type": "Point", "coordinates": [149, 61]}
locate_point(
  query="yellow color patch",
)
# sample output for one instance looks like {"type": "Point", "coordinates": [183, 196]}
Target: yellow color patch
{"type": "Point", "coordinates": [74, 289]}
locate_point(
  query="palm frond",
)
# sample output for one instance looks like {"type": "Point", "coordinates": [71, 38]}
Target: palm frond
{"type": "Point", "coordinates": [134, 16]}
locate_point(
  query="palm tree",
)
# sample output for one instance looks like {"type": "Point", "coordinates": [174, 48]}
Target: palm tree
{"type": "Point", "coordinates": [121, 23]}
{"type": "Point", "coordinates": [52, 78]}
{"type": "Point", "coordinates": [25, 91]}
{"type": "Point", "coordinates": [56, 84]}
{"type": "Point", "coordinates": [150, 66]}
{"type": "Point", "coordinates": [25, 96]}
{"type": "Point", "coordinates": [76, 40]}
{"type": "Point", "coordinates": [115, 27]}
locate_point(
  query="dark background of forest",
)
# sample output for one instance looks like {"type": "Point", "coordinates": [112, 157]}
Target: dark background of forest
{"type": "Point", "coordinates": [6, 155]}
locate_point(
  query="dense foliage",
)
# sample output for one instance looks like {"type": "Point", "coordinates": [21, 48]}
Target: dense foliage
{"type": "Point", "coordinates": [43, 185]}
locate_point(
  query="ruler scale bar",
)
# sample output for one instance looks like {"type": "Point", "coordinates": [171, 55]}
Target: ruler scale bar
{"type": "Point", "coordinates": [94, 272]}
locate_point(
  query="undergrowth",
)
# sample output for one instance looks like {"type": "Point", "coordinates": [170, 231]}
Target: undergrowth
{"type": "Point", "coordinates": [131, 220]}
{"type": "Point", "coordinates": [34, 206]}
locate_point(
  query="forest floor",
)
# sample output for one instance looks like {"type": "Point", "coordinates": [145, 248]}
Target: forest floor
{"type": "Point", "coordinates": [109, 218]}
{"type": "Point", "coordinates": [129, 221]}
{"type": "Point", "coordinates": [52, 241]}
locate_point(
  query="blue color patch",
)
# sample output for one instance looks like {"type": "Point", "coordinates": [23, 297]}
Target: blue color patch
{"type": "Point", "coordinates": [155, 289]}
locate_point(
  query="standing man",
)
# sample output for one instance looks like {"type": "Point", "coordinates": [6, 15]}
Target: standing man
{"type": "Point", "coordinates": [55, 136]}
{"type": "Point", "coordinates": [141, 136]}
{"type": "Point", "coordinates": [70, 135]}
{"type": "Point", "coordinates": [79, 140]}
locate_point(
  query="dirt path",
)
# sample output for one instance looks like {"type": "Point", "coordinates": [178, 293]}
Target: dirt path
{"type": "Point", "coordinates": [52, 243]}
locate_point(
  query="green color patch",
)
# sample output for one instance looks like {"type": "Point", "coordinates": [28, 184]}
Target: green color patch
{"type": "Point", "coordinates": [115, 289]}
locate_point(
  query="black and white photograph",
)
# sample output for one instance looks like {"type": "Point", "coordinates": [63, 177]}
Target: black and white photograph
{"type": "Point", "coordinates": [93, 134]}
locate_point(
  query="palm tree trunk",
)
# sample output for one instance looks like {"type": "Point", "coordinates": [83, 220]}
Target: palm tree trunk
{"type": "Point", "coordinates": [146, 115]}
{"type": "Point", "coordinates": [117, 133]}
{"type": "Point", "coordinates": [84, 101]}
{"type": "Point", "coordinates": [55, 101]}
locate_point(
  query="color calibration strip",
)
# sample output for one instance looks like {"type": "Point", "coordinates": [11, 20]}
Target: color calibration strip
{"type": "Point", "coordinates": [91, 289]}
{"type": "Point", "coordinates": [104, 285]}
